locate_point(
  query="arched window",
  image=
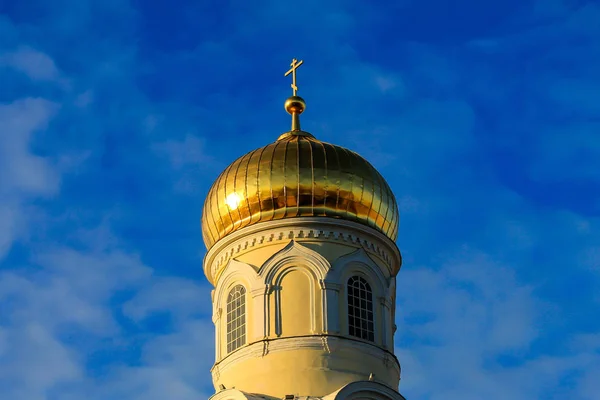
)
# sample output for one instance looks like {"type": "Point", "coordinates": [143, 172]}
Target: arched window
{"type": "Point", "coordinates": [236, 318]}
{"type": "Point", "coordinates": [360, 309]}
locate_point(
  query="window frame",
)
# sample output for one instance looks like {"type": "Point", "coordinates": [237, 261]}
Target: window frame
{"type": "Point", "coordinates": [360, 311]}
{"type": "Point", "coordinates": [235, 319]}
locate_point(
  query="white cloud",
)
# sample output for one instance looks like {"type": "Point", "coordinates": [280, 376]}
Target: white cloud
{"type": "Point", "coordinates": [84, 99]}
{"type": "Point", "coordinates": [146, 382]}
{"type": "Point", "coordinates": [35, 64]}
{"type": "Point", "coordinates": [23, 175]}
{"type": "Point", "coordinates": [188, 352]}
{"type": "Point", "coordinates": [67, 292]}
{"type": "Point", "coordinates": [65, 302]}
{"type": "Point", "coordinates": [474, 311]}
{"type": "Point", "coordinates": [189, 151]}
{"type": "Point", "coordinates": [460, 317]}
{"type": "Point", "coordinates": [33, 362]}
{"type": "Point", "coordinates": [190, 158]}
{"type": "Point", "coordinates": [9, 229]}
{"type": "Point", "coordinates": [460, 320]}
{"type": "Point", "coordinates": [20, 170]}
{"type": "Point", "coordinates": [183, 297]}
{"type": "Point", "coordinates": [385, 84]}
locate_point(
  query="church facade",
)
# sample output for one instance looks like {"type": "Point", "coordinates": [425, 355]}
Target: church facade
{"type": "Point", "coordinates": [302, 255]}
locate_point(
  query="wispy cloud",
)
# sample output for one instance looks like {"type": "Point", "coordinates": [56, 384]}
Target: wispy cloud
{"type": "Point", "coordinates": [116, 117]}
{"type": "Point", "coordinates": [23, 171]}
{"type": "Point", "coordinates": [24, 175]}
{"type": "Point", "coordinates": [35, 64]}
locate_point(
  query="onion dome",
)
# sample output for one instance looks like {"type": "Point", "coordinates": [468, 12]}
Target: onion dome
{"type": "Point", "coordinates": [298, 176]}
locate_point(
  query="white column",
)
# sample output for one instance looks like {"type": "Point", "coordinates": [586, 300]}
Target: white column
{"type": "Point", "coordinates": [259, 314]}
{"type": "Point", "coordinates": [276, 291]}
{"type": "Point", "coordinates": [217, 321]}
{"type": "Point", "coordinates": [330, 292]}
{"type": "Point", "coordinates": [386, 325]}
{"type": "Point", "coordinates": [383, 324]}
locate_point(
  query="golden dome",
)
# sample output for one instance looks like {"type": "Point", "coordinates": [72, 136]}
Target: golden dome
{"type": "Point", "coordinates": [298, 176]}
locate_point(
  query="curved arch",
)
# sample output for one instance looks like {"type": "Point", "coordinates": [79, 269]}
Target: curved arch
{"type": "Point", "coordinates": [235, 272]}
{"type": "Point", "coordinates": [294, 253]}
{"type": "Point", "coordinates": [312, 297]}
{"type": "Point", "coordinates": [365, 390]}
{"type": "Point", "coordinates": [293, 257]}
{"type": "Point", "coordinates": [356, 261]}
{"type": "Point", "coordinates": [286, 269]}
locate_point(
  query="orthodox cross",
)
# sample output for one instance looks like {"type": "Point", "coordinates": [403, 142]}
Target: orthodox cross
{"type": "Point", "coordinates": [295, 64]}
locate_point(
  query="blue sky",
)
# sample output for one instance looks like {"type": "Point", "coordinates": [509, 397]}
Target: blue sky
{"type": "Point", "coordinates": [116, 116]}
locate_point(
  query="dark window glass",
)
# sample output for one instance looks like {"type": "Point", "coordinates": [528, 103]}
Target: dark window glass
{"type": "Point", "coordinates": [360, 309]}
{"type": "Point", "coordinates": [236, 318]}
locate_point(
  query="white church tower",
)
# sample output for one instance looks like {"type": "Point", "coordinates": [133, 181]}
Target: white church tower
{"type": "Point", "coordinates": [302, 254]}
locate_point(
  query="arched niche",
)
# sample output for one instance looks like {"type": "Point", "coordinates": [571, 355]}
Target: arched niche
{"type": "Point", "coordinates": [236, 273]}
{"type": "Point", "coordinates": [358, 263]}
{"type": "Point", "coordinates": [365, 390]}
{"type": "Point", "coordinates": [295, 303]}
{"type": "Point", "coordinates": [297, 300]}
{"type": "Point", "coordinates": [294, 253]}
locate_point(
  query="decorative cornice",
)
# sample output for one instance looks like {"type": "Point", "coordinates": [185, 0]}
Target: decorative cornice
{"type": "Point", "coordinates": [365, 390]}
{"type": "Point", "coordinates": [326, 343]}
{"type": "Point", "coordinates": [234, 394]}
{"type": "Point", "coordinates": [304, 229]}
{"type": "Point", "coordinates": [330, 285]}
{"type": "Point", "coordinates": [294, 252]}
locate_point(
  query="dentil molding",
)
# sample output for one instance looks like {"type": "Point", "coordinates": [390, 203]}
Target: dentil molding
{"type": "Point", "coordinates": [301, 229]}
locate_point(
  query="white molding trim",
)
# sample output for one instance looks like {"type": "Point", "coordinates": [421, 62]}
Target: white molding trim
{"type": "Point", "coordinates": [358, 263]}
{"type": "Point", "coordinates": [301, 229]}
{"type": "Point", "coordinates": [295, 257]}
{"type": "Point", "coordinates": [326, 343]}
{"type": "Point", "coordinates": [237, 273]}
{"type": "Point", "coordinates": [234, 394]}
{"type": "Point", "coordinates": [365, 390]}
{"type": "Point", "coordinates": [361, 390]}
{"type": "Point", "coordinates": [292, 253]}
{"type": "Point", "coordinates": [340, 268]}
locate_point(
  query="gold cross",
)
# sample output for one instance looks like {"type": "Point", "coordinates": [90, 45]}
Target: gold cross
{"type": "Point", "coordinates": [295, 64]}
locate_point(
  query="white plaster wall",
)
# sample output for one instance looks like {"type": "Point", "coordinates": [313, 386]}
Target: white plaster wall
{"type": "Point", "coordinates": [314, 348]}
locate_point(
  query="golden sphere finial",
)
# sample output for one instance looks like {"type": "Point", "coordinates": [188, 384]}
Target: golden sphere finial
{"type": "Point", "coordinates": [295, 105]}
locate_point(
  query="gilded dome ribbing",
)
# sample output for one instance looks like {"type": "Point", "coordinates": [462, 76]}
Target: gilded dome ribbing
{"type": "Point", "coordinates": [298, 176]}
